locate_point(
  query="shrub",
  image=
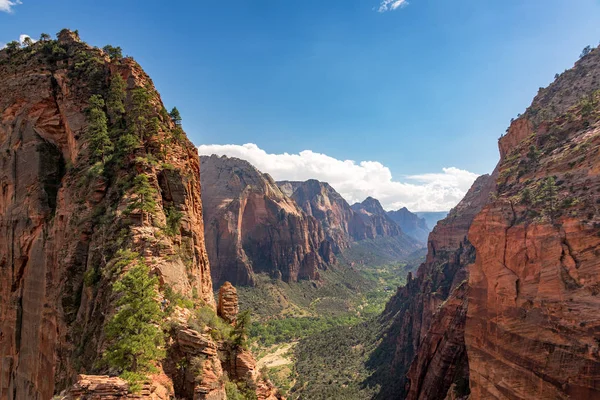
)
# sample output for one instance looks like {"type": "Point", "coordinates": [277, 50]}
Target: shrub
{"type": "Point", "coordinates": [173, 221]}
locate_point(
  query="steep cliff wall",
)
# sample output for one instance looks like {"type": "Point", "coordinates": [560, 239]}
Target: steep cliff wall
{"type": "Point", "coordinates": [95, 178]}
{"type": "Point", "coordinates": [505, 306]}
{"type": "Point", "coordinates": [532, 323]}
{"type": "Point", "coordinates": [251, 226]}
{"type": "Point", "coordinates": [345, 224]}
{"type": "Point", "coordinates": [416, 340]}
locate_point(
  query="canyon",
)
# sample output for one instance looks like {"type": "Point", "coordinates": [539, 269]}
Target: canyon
{"type": "Point", "coordinates": [101, 192]}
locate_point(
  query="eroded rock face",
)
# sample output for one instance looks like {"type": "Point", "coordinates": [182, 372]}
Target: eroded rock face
{"type": "Point", "coordinates": [251, 226]}
{"type": "Point", "coordinates": [344, 224]}
{"type": "Point", "coordinates": [227, 306]}
{"type": "Point", "coordinates": [523, 251]}
{"type": "Point", "coordinates": [62, 222]}
{"type": "Point", "coordinates": [532, 324]}
{"type": "Point", "coordinates": [422, 361]}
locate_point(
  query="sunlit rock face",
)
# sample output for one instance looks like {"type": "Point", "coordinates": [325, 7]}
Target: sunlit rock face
{"type": "Point", "coordinates": [252, 226]}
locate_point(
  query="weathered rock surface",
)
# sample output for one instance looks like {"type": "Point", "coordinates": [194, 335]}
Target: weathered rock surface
{"type": "Point", "coordinates": [227, 306]}
{"type": "Point", "coordinates": [410, 224]}
{"type": "Point", "coordinates": [345, 224]}
{"type": "Point", "coordinates": [64, 216]}
{"type": "Point", "coordinates": [532, 324]}
{"type": "Point", "coordinates": [251, 226]}
{"type": "Point", "coordinates": [414, 352]}
{"type": "Point", "coordinates": [517, 260]}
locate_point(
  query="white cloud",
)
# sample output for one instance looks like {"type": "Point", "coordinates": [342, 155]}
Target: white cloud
{"type": "Point", "coordinates": [390, 5]}
{"type": "Point", "coordinates": [356, 181]}
{"type": "Point", "coordinates": [23, 36]}
{"type": "Point", "coordinates": [7, 5]}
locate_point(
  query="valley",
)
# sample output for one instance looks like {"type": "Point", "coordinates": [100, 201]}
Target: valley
{"type": "Point", "coordinates": [133, 266]}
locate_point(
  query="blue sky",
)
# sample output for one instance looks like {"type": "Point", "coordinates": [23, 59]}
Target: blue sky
{"type": "Point", "coordinates": [426, 86]}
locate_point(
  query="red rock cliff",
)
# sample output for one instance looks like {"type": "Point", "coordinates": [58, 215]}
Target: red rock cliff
{"type": "Point", "coordinates": [251, 226]}
{"type": "Point", "coordinates": [505, 306]}
{"type": "Point", "coordinates": [66, 209]}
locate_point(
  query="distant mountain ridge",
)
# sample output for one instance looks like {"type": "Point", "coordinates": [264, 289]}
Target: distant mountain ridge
{"type": "Point", "coordinates": [411, 224]}
{"type": "Point", "coordinates": [432, 217]}
{"type": "Point", "coordinates": [345, 224]}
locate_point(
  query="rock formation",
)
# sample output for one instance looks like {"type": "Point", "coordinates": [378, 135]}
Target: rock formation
{"type": "Point", "coordinates": [251, 226]}
{"type": "Point", "coordinates": [95, 177]}
{"type": "Point", "coordinates": [410, 224]}
{"type": "Point", "coordinates": [345, 224]}
{"type": "Point", "coordinates": [227, 306]}
{"type": "Point", "coordinates": [513, 269]}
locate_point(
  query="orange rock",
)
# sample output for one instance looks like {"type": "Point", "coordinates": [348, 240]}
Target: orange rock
{"type": "Point", "coordinates": [227, 306]}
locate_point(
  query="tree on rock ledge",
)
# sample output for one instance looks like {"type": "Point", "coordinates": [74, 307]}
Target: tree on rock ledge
{"type": "Point", "coordinates": [136, 339]}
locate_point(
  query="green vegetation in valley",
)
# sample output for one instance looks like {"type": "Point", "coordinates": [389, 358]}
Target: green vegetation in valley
{"type": "Point", "coordinates": [332, 316]}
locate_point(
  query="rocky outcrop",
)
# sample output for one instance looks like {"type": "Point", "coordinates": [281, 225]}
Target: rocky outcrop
{"type": "Point", "coordinates": [103, 387]}
{"type": "Point", "coordinates": [318, 199]}
{"type": "Point", "coordinates": [227, 306]}
{"type": "Point", "coordinates": [514, 267]}
{"type": "Point", "coordinates": [251, 226]}
{"type": "Point", "coordinates": [410, 224]}
{"type": "Point", "coordinates": [77, 206]}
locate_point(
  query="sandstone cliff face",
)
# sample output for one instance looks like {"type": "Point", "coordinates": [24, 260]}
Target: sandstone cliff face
{"type": "Point", "coordinates": [376, 219]}
{"type": "Point", "coordinates": [64, 215]}
{"type": "Point", "coordinates": [410, 224]}
{"type": "Point", "coordinates": [318, 199]}
{"type": "Point", "coordinates": [532, 324]}
{"type": "Point", "coordinates": [345, 224]}
{"type": "Point", "coordinates": [417, 342]}
{"type": "Point", "coordinates": [518, 264]}
{"type": "Point", "coordinates": [251, 226]}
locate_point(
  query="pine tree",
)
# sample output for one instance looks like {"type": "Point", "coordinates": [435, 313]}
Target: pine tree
{"type": "Point", "coordinates": [97, 130]}
{"type": "Point", "coordinates": [134, 332]}
{"type": "Point", "coordinates": [140, 111]}
{"type": "Point", "coordinates": [44, 37]}
{"type": "Point", "coordinates": [115, 101]}
{"type": "Point", "coordinates": [145, 193]}
{"type": "Point", "coordinates": [113, 52]}
{"type": "Point", "coordinates": [175, 117]}
{"type": "Point", "coordinates": [240, 330]}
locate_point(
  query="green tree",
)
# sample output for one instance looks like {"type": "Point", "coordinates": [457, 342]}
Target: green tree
{"type": "Point", "coordinates": [44, 37]}
{"type": "Point", "coordinates": [134, 333]}
{"type": "Point", "coordinates": [175, 117]}
{"type": "Point", "coordinates": [140, 111]}
{"type": "Point", "coordinates": [27, 41]}
{"type": "Point", "coordinates": [113, 52]}
{"type": "Point", "coordinates": [115, 100]}
{"type": "Point", "coordinates": [97, 130]}
{"type": "Point", "coordinates": [13, 46]}
{"type": "Point", "coordinates": [145, 196]}
{"type": "Point", "coordinates": [240, 330]}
